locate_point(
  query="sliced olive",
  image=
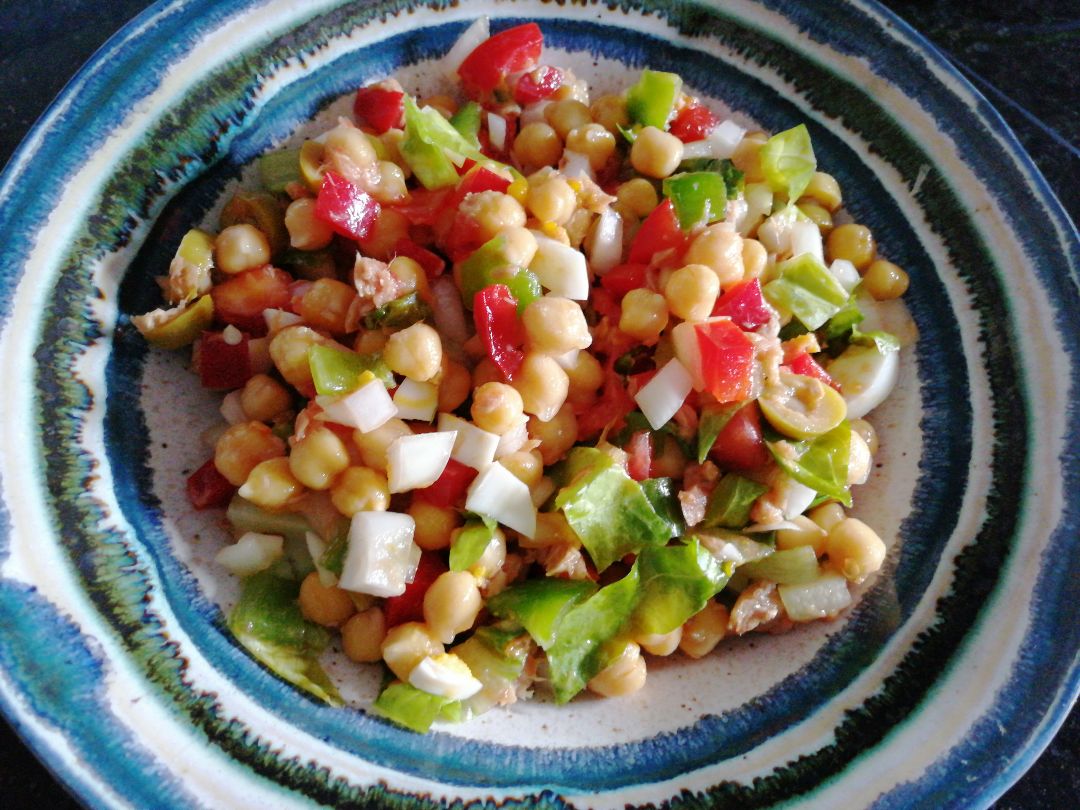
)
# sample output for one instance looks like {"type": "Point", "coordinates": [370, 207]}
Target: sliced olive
{"type": "Point", "coordinates": [191, 267]}
{"type": "Point", "coordinates": [262, 210]}
{"type": "Point", "coordinates": [802, 407]}
{"type": "Point", "coordinates": [311, 164]}
{"type": "Point", "coordinates": [173, 328]}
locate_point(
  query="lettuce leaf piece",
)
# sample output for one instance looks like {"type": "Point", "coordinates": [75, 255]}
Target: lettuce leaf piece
{"type": "Point", "coordinates": [467, 122]}
{"type": "Point", "coordinates": [805, 288]}
{"type": "Point", "coordinates": [675, 582]}
{"type": "Point", "coordinates": [884, 342]}
{"type": "Point", "coordinates": [793, 566]}
{"type": "Point", "coordinates": [539, 605]}
{"type": "Point", "coordinates": [663, 496]}
{"type": "Point", "coordinates": [844, 321]}
{"type": "Point", "coordinates": [651, 101]}
{"type": "Point", "coordinates": [734, 182]}
{"type": "Point", "coordinates": [714, 419]}
{"type": "Point", "coordinates": [608, 510]}
{"type": "Point", "coordinates": [470, 543]}
{"type": "Point", "coordinates": [267, 621]}
{"type": "Point", "coordinates": [413, 708]}
{"type": "Point", "coordinates": [820, 463]}
{"type": "Point", "coordinates": [788, 162]}
{"type": "Point", "coordinates": [729, 504]}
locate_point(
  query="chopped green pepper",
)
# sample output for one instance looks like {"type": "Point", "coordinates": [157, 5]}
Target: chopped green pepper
{"type": "Point", "coordinates": [699, 198]}
{"type": "Point", "coordinates": [182, 328]}
{"type": "Point", "coordinates": [278, 170]}
{"type": "Point", "coordinates": [651, 101]}
{"type": "Point", "coordinates": [399, 313]}
{"type": "Point", "coordinates": [339, 371]}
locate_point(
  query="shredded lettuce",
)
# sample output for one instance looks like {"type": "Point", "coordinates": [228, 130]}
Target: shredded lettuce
{"type": "Point", "coordinates": [470, 543]}
{"type": "Point", "coordinates": [821, 463]}
{"type": "Point", "coordinates": [675, 582]}
{"type": "Point", "coordinates": [805, 288]}
{"type": "Point", "coordinates": [788, 162]}
{"type": "Point", "coordinates": [729, 504]}
{"type": "Point", "coordinates": [663, 496]}
{"type": "Point", "coordinates": [713, 420]}
{"type": "Point", "coordinates": [413, 708]}
{"type": "Point", "coordinates": [467, 122]}
{"type": "Point", "coordinates": [539, 605]}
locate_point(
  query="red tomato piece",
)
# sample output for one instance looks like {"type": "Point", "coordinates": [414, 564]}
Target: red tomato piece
{"type": "Point", "coordinates": [660, 231]}
{"type": "Point", "coordinates": [745, 305]}
{"type": "Point", "coordinates": [409, 606]}
{"type": "Point", "coordinates": [623, 278]}
{"type": "Point", "coordinates": [476, 179]}
{"type": "Point", "coordinates": [693, 123]}
{"type": "Point", "coordinates": [423, 206]}
{"type": "Point", "coordinates": [449, 488]}
{"type": "Point", "coordinates": [506, 52]}
{"type": "Point", "coordinates": [464, 237]}
{"type": "Point", "coordinates": [806, 365]}
{"type": "Point", "coordinates": [350, 211]}
{"type": "Point", "coordinates": [610, 409]}
{"type": "Point", "coordinates": [222, 365]}
{"type": "Point", "coordinates": [727, 359]}
{"type": "Point", "coordinates": [380, 108]}
{"type": "Point", "coordinates": [537, 84]}
{"type": "Point", "coordinates": [240, 300]}
{"type": "Point", "coordinates": [499, 328]}
{"type": "Point", "coordinates": [604, 303]}
{"type": "Point", "coordinates": [741, 446]}
{"type": "Point", "coordinates": [639, 452]}
{"type": "Point", "coordinates": [209, 489]}
{"type": "Point", "coordinates": [433, 263]}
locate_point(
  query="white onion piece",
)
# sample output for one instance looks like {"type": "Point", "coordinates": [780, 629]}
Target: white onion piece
{"type": "Point", "coordinates": [761, 528]}
{"type": "Point", "coordinates": [473, 446]}
{"type": "Point", "coordinates": [252, 553]}
{"type": "Point", "coordinates": [720, 143]}
{"type": "Point", "coordinates": [866, 377]}
{"type": "Point", "coordinates": [382, 556]}
{"type": "Point", "coordinates": [497, 131]}
{"type": "Point", "coordinates": [514, 439]}
{"type": "Point", "coordinates": [845, 272]}
{"type": "Point", "coordinates": [567, 360]}
{"type": "Point", "coordinates": [417, 461]}
{"type": "Point", "coordinates": [366, 408]}
{"type": "Point", "coordinates": [316, 547]}
{"type": "Point", "coordinates": [665, 393]}
{"type": "Point", "coordinates": [534, 113]}
{"type": "Point", "coordinates": [806, 238]}
{"type": "Point", "coordinates": [607, 241]}
{"type": "Point", "coordinates": [575, 165]}
{"type": "Point", "coordinates": [500, 495]}
{"type": "Point", "coordinates": [445, 676]}
{"type": "Point", "coordinates": [466, 44]}
{"type": "Point", "coordinates": [759, 201]}
{"type": "Point", "coordinates": [775, 232]}
{"type": "Point", "coordinates": [825, 597]}
{"type": "Point", "coordinates": [792, 497]}
{"type": "Point", "coordinates": [449, 313]}
{"type": "Point", "coordinates": [231, 409]}
{"type": "Point", "coordinates": [560, 268]}
{"type": "Point", "coordinates": [416, 400]}
{"type": "Point", "coordinates": [278, 319]}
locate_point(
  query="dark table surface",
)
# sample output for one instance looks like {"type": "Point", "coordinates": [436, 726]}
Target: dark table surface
{"type": "Point", "coordinates": [1024, 56]}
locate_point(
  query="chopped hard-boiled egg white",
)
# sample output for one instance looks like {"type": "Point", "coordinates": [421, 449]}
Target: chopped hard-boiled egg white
{"type": "Point", "coordinates": [500, 495]}
{"type": "Point", "coordinates": [367, 408]}
{"type": "Point", "coordinates": [607, 241]}
{"type": "Point", "coordinates": [416, 461]}
{"type": "Point", "coordinates": [845, 272]}
{"type": "Point", "coordinates": [560, 268]}
{"type": "Point", "coordinates": [252, 553]}
{"type": "Point", "coordinates": [473, 447]}
{"type": "Point", "coordinates": [866, 377]}
{"type": "Point", "coordinates": [446, 676]}
{"type": "Point", "coordinates": [416, 400]}
{"type": "Point", "coordinates": [665, 393]}
{"type": "Point", "coordinates": [382, 556]}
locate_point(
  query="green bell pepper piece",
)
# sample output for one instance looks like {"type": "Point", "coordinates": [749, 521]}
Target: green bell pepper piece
{"type": "Point", "coordinates": [338, 371]}
{"type": "Point", "coordinates": [699, 198]}
{"type": "Point", "coordinates": [651, 101]}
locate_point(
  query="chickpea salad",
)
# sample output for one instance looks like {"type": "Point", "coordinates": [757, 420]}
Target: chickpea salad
{"type": "Point", "coordinates": [523, 387]}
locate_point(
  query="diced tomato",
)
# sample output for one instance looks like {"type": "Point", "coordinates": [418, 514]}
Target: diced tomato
{"type": "Point", "coordinates": [639, 451]}
{"type": "Point", "coordinates": [222, 366]}
{"type": "Point", "coordinates": [506, 52]}
{"type": "Point", "coordinates": [727, 359]}
{"type": "Point", "coordinates": [478, 178]}
{"type": "Point", "coordinates": [623, 278]}
{"type": "Point", "coordinates": [604, 303]}
{"type": "Point", "coordinates": [537, 84]}
{"type": "Point", "coordinates": [350, 211]}
{"type": "Point", "coordinates": [449, 488]}
{"type": "Point", "coordinates": [693, 123]}
{"type": "Point", "coordinates": [806, 365]}
{"type": "Point", "coordinates": [741, 446]}
{"type": "Point", "coordinates": [423, 206]}
{"type": "Point", "coordinates": [745, 305]}
{"type": "Point", "coordinates": [240, 300]}
{"type": "Point", "coordinates": [433, 263]}
{"type": "Point", "coordinates": [465, 236]}
{"type": "Point", "coordinates": [660, 231]}
{"type": "Point", "coordinates": [380, 108]}
{"type": "Point", "coordinates": [499, 328]}
{"type": "Point", "coordinates": [409, 606]}
{"type": "Point", "coordinates": [207, 488]}
{"type": "Point", "coordinates": [610, 409]}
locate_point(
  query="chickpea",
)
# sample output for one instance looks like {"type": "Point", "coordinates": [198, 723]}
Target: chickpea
{"type": "Point", "coordinates": [854, 549]}
{"type": "Point", "coordinates": [808, 534]}
{"type": "Point", "coordinates": [360, 489]}
{"type": "Point", "coordinates": [825, 191]}
{"type": "Point", "coordinates": [318, 458]}
{"type": "Point", "coordinates": [852, 242]}
{"type": "Point", "coordinates": [818, 215]}
{"type": "Point", "coordinates": [885, 280]}
{"type": "Point", "coordinates": [557, 435]}
{"type": "Point", "coordinates": [721, 249]}
{"type": "Point", "coordinates": [527, 466]}
{"type": "Point", "coordinates": [493, 211]}
{"type": "Point", "coordinates": [374, 444]}
{"type": "Point", "coordinates": [407, 645]}
{"type": "Point", "coordinates": [434, 524]}
{"type": "Point", "coordinates": [241, 247]}
{"type": "Point", "coordinates": [330, 607]}
{"type": "Point", "coordinates": [542, 384]}
{"type": "Point", "coordinates": [519, 246]}
{"type": "Point", "coordinates": [348, 149]}
{"type": "Point", "coordinates": [263, 398]}
{"type": "Point", "coordinates": [552, 529]}
{"type": "Point", "coordinates": [289, 353]}
{"type": "Point", "coordinates": [656, 153]}
{"type": "Point", "coordinates": [455, 382]}
{"type": "Point", "coordinates": [661, 644]}
{"type": "Point", "coordinates": [691, 292]}
{"type": "Point", "coordinates": [555, 325]}
{"type": "Point", "coordinates": [704, 630]}
{"type": "Point", "coordinates": [536, 145]}
{"type": "Point", "coordinates": [644, 315]}
{"type": "Point", "coordinates": [593, 141]}
{"type": "Point", "coordinates": [414, 352]}
{"type": "Point", "coordinates": [327, 304]}
{"type": "Point", "coordinates": [609, 111]}
{"type": "Point", "coordinates": [496, 407]}
{"type": "Point", "coordinates": [271, 484]}
{"type": "Point", "coordinates": [410, 275]}
{"type": "Point", "coordinates": [550, 199]}
{"type": "Point", "coordinates": [564, 116]}
{"type": "Point", "coordinates": [827, 515]}
{"type": "Point", "coordinates": [754, 257]}
{"type": "Point", "coordinates": [869, 435]}
{"type": "Point", "coordinates": [623, 676]}
{"type": "Point", "coordinates": [389, 186]}
{"type": "Point", "coordinates": [306, 231]}
{"type": "Point", "coordinates": [585, 375]}
{"type": "Point", "coordinates": [362, 636]}
{"type": "Point", "coordinates": [451, 604]}
{"type": "Point", "coordinates": [389, 228]}
{"type": "Point", "coordinates": [240, 449]}
{"type": "Point", "coordinates": [371, 341]}
{"type": "Point", "coordinates": [747, 156]}
{"type": "Point", "coordinates": [638, 197]}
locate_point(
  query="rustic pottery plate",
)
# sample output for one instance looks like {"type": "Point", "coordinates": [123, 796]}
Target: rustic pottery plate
{"type": "Point", "coordinates": [937, 690]}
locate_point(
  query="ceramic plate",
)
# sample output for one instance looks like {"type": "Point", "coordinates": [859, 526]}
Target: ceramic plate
{"type": "Point", "coordinates": [938, 689]}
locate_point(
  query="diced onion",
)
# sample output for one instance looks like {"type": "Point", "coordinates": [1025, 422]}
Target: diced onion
{"type": "Point", "coordinates": [761, 528]}
{"type": "Point", "coordinates": [825, 597]}
{"type": "Point", "coordinates": [497, 131]}
{"type": "Point", "coordinates": [514, 439]}
{"type": "Point", "coordinates": [607, 241]}
{"type": "Point", "coordinates": [560, 268]}
{"type": "Point", "coordinates": [845, 272]}
{"type": "Point", "coordinates": [416, 461]}
{"type": "Point", "coordinates": [278, 319]}
{"type": "Point", "coordinates": [252, 553]}
{"type": "Point", "coordinates": [534, 113]}
{"type": "Point", "coordinates": [473, 446]}
{"type": "Point", "coordinates": [806, 238]}
{"type": "Point", "coordinates": [416, 400]}
{"type": "Point", "coordinates": [231, 409]}
{"type": "Point", "coordinates": [759, 202]}
{"type": "Point", "coordinates": [466, 44]}
{"type": "Point", "coordinates": [794, 498]}
{"type": "Point", "coordinates": [720, 143]}
{"type": "Point", "coordinates": [665, 393]}
{"type": "Point", "coordinates": [366, 408]}
{"type": "Point", "coordinates": [575, 165]}
{"type": "Point", "coordinates": [500, 495]}
{"type": "Point", "coordinates": [382, 556]}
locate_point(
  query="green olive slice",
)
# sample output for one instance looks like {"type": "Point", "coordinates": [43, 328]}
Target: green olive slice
{"type": "Point", "coordinates": [801, 407]}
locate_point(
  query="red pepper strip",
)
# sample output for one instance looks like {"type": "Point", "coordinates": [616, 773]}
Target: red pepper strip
{"type": "Point", "coordinates": [537, 84]}
{"type": "Point", "coordinates": [509, 51]}
{"type": "Point", "coordinates": [433, 263]}
{"type": "Point", "coordinates": [409, 606]}
{"type": "Point", "coordinates": [727, 359]}
{"type": "Point", "coordinates": [497, 324]}
{"type": "Point", "coordinates": [478, 178]}
{"type": "Point", "coordinates": [806, 365]}
{"type": "Point", "coordinates": [741, 445]}
{"type": "Point", "coordinates": [660, 231]}
{"type": "Point", "coordinates": [379, 108]}
{"type": "Point", "coordinates": [693, 123]}
{"type": "Point", "coordinates": [745, 305]}
{"type": "Point", "coordinates": [639, 455]}
{"type": "Point", "coordinates": [207, 488]}
{"type": "Point", "coordinates": [623, 278]}
{"type": "Point", "coordinates": [241, 299]}
{"type": "Point", "coordinates": [347, 209]}
{"type": "Point", "coordinates": [449, 488]}
{"type": "Point", "coordinates": [221, 365]}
